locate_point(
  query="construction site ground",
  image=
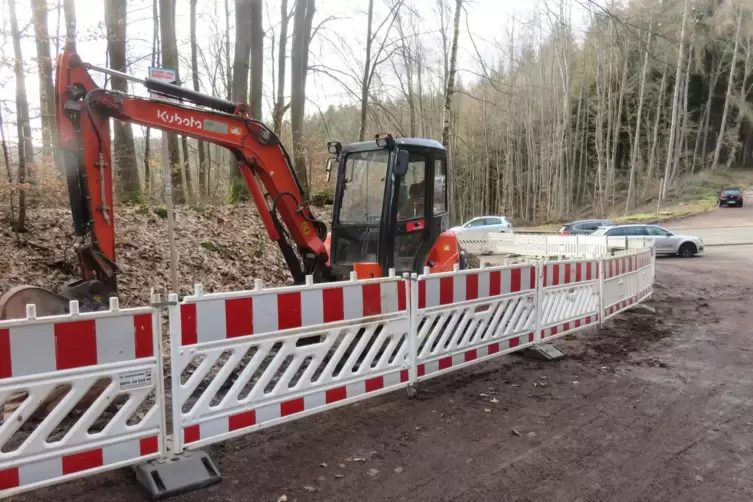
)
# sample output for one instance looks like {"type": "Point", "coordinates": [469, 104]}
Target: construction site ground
{"type": "Point", "coordinates": [649, 407]}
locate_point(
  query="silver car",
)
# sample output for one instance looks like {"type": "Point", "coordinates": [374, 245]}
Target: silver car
{"type": "Point", "coordinates": [485, 224]}
{"type": "Point", "coordinates": [665, 242]}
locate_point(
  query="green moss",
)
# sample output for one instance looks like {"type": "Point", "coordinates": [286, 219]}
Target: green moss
{"type": "Point", "coordinates": [210, 246]}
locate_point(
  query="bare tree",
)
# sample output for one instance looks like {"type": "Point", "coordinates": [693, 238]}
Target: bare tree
{"type": "Point", "coordinates": [124, 148]}
{"type": "Point", "coordinates": [730, 83]}
{"type": "Point", "coordinates": [374, 59]}
{"type": "Point", "coordinates": [302, 21]}
{"type": "Point", "coordinates": [44, 65]}
{"type": "Point", "coordinates": [639, 117]}
{"type": "Point", "coordinates": [675, 103]}
{"type": "Point", "coordinates": [280, 107]}
{"type": "Point", "coordinates": [449, 91]}
{"type": "Point", "coordinates": [257, 58]}
{"type": "Point", "coordinates": [238, 190]}
{"type": "Point", "coordinates": [195, 80]}
{"type": "Point", "coordinates": [170, 60]}
{"type": "Point", "coordinates": [155, 61]}
{"type": "Point", "coordinates": [23, 128]}
{"type": "Point", "coordinates": [69, 10]}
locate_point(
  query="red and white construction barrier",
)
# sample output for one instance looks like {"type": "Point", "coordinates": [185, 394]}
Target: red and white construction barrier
{"type": "Point", "coordinates": [465, 317]}
{"type": "Point", "coordinates": [110, 361]}
{"type": "Point", "coordinates": [246, 360]}
{"type": "Point", "coordinates": [568, 297]}
{"type": "Point", "coordinates": [628, 280]}
{"type": "Point", "coordinates": [242, 361]}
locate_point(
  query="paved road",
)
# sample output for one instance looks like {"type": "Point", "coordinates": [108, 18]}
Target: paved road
{"type": "Point", "coordinates": [721, 226]}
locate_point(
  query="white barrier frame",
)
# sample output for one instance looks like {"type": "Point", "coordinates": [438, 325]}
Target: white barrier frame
{"type": "Point", "coordinates": [255, 412]}
{"type": "Point", "coordinates": [429, 364]}
{"type": "Point", "coordinates": [627, 284]}
{"type": "Point", "coordinates": [37, 463]}
{"type": "Point", "coordinates": [559, 245]}
{"type": "Point", "coordinates": [400, 335]}
{"type": "Point", "coordinates": [557, 301]}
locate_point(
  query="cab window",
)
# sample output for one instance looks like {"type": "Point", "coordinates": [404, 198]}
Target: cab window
{"type": "Point", "coordinates": [411, 198]}
{"type": "Point", "coordinates": [440, 186]}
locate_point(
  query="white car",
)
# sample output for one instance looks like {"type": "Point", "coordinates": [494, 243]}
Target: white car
{"type": "Point", "coordinates": [485, 224]}
{"type": "Point", "coordinates": [665, 242]}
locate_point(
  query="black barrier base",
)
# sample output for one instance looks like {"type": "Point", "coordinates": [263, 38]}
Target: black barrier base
{"type": "Point", "coordinates": [544, 352]}
{"type": "Point", "coordinates": [165, 478]}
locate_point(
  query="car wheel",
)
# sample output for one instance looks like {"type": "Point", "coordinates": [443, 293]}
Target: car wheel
{"type": "Point", "coordinates": [688, 250]}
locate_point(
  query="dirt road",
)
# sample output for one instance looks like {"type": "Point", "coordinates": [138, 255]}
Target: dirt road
{"type": "Point", "coordinates": [648, 408]}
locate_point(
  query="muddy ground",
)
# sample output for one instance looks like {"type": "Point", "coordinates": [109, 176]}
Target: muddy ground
{"type": "Point", "coordinates": [647, 408]}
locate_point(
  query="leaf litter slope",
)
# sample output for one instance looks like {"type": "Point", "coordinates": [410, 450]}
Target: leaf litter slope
{"type": "Point", "coordinates": [224, 248]}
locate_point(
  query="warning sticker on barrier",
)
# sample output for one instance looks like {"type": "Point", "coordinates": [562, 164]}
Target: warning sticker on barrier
{"type": "Point", "coordinates": [135, 379]}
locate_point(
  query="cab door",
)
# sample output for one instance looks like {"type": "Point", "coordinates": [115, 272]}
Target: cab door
{"type": "Point", "coordinates": [417, 208]}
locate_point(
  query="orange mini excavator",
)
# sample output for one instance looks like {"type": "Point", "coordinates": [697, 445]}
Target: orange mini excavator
{"type": "Point", "coordinates": [390, 206]}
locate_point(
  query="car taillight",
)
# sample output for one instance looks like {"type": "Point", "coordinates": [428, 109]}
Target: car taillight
{"type": "Point", "coordinates": [564, 233]}
{"type": "Point", "coordinates": [723, 196]}
{"type": "Point", "coordinates": [740, 196]}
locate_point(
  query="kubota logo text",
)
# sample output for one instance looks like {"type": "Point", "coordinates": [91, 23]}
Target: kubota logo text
{"type": "Point", "coordinates": [175, 118]}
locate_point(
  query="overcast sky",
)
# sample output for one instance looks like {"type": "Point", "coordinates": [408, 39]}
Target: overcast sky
{"type": "Point", "coordinates": [488, 20]}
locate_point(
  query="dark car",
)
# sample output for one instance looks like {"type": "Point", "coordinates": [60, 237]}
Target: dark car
{"type": "Point", "coordinates": [584, 227]}
{"type": "Point", "coordinates": [731, 197]}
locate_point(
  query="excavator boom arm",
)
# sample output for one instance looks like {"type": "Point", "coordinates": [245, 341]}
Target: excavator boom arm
{"type": "Point", "coordinates": [83, 112]}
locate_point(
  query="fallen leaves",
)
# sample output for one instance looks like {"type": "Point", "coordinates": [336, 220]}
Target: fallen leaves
{"type": "Point", "coordinates": [224, 248]}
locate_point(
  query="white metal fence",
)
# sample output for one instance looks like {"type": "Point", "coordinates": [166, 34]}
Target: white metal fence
{"type": "Point", "coordinates": [242, 361]}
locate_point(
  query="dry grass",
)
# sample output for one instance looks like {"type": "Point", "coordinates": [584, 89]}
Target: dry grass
{"type": "Point", "coordinates": [697, 195]}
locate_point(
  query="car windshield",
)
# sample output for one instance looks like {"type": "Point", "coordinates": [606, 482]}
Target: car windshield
{"type": "Point", "coordinates": [363, 187]}
{"type": "Point", "coordinates": [731, 192]}
{"type": "Point", "coordinates": [601, 231]}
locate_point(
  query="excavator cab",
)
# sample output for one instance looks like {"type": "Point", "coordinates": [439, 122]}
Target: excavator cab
{"type": "Point", "coordinates": [390, 208]}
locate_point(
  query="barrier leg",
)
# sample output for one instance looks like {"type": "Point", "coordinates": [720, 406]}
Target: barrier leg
{"type": "Point", "coordinates": [602, 272]}
{"type": "Point", "coordinates": [177, 471]}
{"type": "Point", "coordinates": [412, 284]}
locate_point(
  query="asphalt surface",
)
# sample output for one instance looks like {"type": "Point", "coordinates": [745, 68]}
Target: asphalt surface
{"type": "Point", "coordinates": [722, 226]}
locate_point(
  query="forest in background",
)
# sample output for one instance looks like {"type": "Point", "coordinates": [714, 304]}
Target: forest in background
{"type": "Point", "coordinates": [582, 107]}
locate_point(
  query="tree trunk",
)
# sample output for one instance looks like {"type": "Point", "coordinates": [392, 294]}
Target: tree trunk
{"type": "Point", "coordinates": [257, 59]}
{"type": "Point", "coordinates": [228, 68]}
{"type": "Point", "coordinates": [238, 190]}
{"type": "Point", "coordinates": [279, 105]}
{"type": "Point", "coordinates": [730, 82]}
{"type": "Point", "coordinates": [675, 102]}
{"type": "Point", "coordinates": [304, 13]}
{"type": "Point", "coordinates": [366, 73]}
{"type": "Point", "coordinates": [44, 63]}
{"type": "Point", "coordinates": [6, 159]}
{"type": "Point", "coordinates": [23, 128]}
{"type": "Point", "coordinates": [147, 134]}
{"type": "Point", "coordinates": [449, 91]}
{"type": "Point", "coordinates": [195, 79]}
{"type": "Point", "coordinates": [187, 168]}
{"type": "Point", "coordinates": [639, 116]}
{"type": "Point", "coordinates": [124, 149]}
{"type": "Point", "coordinates": [408, 64]}
{"type": "Point", "coordinates": [69, 9]}
{"type": "Point", "coordinates": [618, 130]}
{"type": "Point", "coordinates": [170, 60]}
{"type": "Point", "coordinates": [655, 140]}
